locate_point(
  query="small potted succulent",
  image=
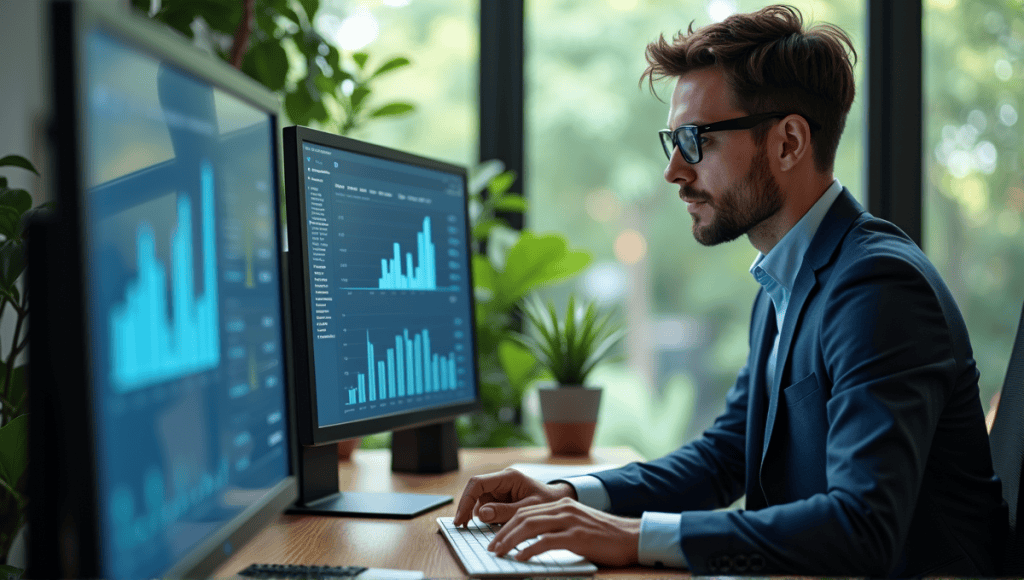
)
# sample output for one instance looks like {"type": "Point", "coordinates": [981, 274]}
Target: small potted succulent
{"type": "Point", "coordinates": [567, 347]}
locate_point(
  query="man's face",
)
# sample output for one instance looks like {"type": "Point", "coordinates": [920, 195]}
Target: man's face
{"type": "Point", "coordinates": [732, 189]}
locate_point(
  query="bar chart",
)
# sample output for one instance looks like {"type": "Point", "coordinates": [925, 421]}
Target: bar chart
{"type": "Point", "coordinates": [155, 337]}
{"type": "Point", "coordinates": [421, 277]}
{"type": "Point", "coordinates": [410, 368]}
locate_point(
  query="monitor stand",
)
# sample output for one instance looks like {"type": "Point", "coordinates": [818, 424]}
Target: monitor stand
{"type": "Point", "coordinates": [428, 449]}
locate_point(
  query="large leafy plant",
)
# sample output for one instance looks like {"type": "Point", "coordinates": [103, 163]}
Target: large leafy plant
{"type": "Point", "coordinates": [276, 43]}
{"type": "Point", "coordinates": [15, 210]}
{"type": "Point", "coordinates": [508, 265]}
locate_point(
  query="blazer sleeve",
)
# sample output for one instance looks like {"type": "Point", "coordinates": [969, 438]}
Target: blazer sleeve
{"type": "Point", "coordinates": [891, 356]}
{"type": "Point", "coordinates": [706, 473]}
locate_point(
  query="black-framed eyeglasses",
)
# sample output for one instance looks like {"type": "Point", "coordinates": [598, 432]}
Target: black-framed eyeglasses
{"type": "Point", "coordinates": [687, 137]}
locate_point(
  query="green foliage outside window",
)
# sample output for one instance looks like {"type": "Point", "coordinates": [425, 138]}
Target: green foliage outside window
{"type": "Point", "coordinates": [974, 161]}
{"type": "Point", "coordinates": [276, 43]}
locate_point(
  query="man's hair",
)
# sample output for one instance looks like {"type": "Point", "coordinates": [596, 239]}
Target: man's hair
{"type": "Point", "coordinates": [772, 65]}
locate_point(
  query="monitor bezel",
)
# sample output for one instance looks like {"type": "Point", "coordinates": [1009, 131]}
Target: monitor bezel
{"type": "Point", "coordinates": [307, 420]}
{"type": "Point", "coordinates": [65, 542]}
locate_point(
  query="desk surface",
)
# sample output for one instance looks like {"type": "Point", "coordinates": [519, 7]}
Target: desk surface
{"type": "Point", "coordinates": [404, 544]}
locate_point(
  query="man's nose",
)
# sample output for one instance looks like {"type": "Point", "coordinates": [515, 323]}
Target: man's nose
{"type": "Point", "coordinates": [678, 170]}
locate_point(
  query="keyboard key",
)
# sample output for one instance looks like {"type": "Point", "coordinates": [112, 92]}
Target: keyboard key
{"type": "Point", "coordinates": [470, 547]}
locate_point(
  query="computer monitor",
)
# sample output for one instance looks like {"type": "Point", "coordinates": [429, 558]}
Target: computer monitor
{"type": "Point", "coordinates": [382, 310]}
{"type": "Point", "coordinates": [160, 437]}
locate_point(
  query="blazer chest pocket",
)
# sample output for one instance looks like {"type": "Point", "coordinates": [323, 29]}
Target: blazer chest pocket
{"type": "Point", "coordinates": [805, 428]}
{"type": "Point", "coordinates": [800, 390]}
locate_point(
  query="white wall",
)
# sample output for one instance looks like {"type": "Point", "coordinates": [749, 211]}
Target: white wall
{"type": "Point", "coordinates": [22, 103]}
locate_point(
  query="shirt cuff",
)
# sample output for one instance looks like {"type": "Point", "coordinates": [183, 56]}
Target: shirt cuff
{"type": "Point", "coordinates": [660, 537]}
{"type": "Point", "coordinates": [589, 491]}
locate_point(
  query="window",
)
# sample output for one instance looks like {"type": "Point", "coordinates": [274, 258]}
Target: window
{"type": "Point", "coordinates": [441, 38]}
{"type": "Point", "coordinates": [595, 168]}
{"type": "Point", "coordinates": [974, 191]}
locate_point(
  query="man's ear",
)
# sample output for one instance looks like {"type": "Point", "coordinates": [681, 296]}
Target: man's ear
{"type": "Point", "coordinates": [794, 138]}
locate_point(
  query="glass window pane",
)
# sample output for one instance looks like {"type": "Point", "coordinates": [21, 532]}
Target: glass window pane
{"type": "Point", "coordinates": [594, 171]}
{"type": "Point", "coordinates": [974, 194]}
{"type": "Point", "coordinates": [441, 39]}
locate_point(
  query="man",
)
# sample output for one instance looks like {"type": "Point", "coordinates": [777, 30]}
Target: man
{"type": "Point", "coordinates": [855, 429]}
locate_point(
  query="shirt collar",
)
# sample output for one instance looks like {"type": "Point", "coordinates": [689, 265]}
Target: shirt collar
{"type": "Point", "coordinates": [783, 261]}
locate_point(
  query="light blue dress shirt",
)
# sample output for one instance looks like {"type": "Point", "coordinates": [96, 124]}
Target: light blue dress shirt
{"type": "Point", "coordinates": [660, 533]}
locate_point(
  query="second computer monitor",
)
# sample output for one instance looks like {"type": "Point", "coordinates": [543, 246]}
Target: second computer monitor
{"type": "Point", "coordinates": [381, 289]}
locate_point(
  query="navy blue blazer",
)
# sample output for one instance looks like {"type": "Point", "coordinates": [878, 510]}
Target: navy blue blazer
{"type": "Point", "coordinates": [867, 455]}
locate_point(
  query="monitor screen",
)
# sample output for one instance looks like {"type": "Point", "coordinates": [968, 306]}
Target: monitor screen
{"type": "Point", "coordinates": [177, 209]}
{"type": "Point", "coordinates": [381, 248]}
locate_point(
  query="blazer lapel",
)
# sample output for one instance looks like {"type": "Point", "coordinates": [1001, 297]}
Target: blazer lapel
{"type": "Point", "coordinates": [763, 331]}
{"type": "Point", "coordinates": [830, 234]}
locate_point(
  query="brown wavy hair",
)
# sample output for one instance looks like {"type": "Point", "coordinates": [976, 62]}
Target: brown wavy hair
{"type": "Point", "coordinates": [772, 64]}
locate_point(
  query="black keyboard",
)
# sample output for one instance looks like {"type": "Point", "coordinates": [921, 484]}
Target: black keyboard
{"type": "Point", "coordinates": [300, 572]}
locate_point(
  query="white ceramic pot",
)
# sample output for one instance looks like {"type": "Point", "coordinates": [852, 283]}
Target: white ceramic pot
{"type": "Point", "coordinates": [570, 417]}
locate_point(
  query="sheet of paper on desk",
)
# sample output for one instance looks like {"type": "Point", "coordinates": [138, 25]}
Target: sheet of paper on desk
{"type": "Point", "coordinates": [546, 472]}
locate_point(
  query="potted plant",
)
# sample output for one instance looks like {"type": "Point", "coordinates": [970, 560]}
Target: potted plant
{"type": "Point", "coordinates": [15, 211]}
{"type": "Point", "coordinates": [568, 347]}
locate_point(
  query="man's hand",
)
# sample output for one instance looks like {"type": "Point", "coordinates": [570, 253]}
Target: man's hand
{"type": "Point", "coordinates": [597, 536]}
{"type": "Point", "coordinates": [495, 497]}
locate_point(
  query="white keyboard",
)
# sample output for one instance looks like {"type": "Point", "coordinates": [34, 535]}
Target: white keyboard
{"type": "Point", "coordinates": [470, 546]}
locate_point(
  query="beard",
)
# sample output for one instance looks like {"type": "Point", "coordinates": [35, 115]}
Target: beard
{"type": "Point", "coordinates": [741, 207]}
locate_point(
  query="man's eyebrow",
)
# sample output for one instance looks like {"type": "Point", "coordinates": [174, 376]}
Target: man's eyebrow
{"type": "Point", "coordinates": [690, 124]}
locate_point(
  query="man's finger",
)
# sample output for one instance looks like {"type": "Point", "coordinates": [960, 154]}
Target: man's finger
{"type": "Point", "coordinates": [477, 486]}
{"type": "Point", "coordinates": [521, 529]}
{"type": "Point", "coordinates": [544, 543]}
{"type": "Point", "coordinates": [499, 513]}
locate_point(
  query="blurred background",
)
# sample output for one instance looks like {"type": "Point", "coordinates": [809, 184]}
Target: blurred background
{"type": "Point", "coordinates": [593, 172]}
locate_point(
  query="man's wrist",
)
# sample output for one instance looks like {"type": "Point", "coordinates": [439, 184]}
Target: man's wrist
{"type": "Point", "coordinates": [564, 489]}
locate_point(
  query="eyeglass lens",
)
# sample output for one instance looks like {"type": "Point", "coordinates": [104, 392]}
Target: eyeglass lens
{"type": "Point", "coordinates": [686, 139]}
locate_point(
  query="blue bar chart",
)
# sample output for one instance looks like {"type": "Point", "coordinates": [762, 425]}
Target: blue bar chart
{"type": "Point", "coordinates": [408, 369]}
{"type": "Point", "coordinates": [155, 337]}
{"type": "Point", "coordinates": [423, 276]}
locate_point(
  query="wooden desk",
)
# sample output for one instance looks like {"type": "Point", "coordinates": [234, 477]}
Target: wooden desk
{"type": "Point", "coordinates": [404, 544]}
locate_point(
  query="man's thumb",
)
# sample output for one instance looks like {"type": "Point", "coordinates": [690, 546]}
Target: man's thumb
{"type": "Point", "coordinates": [497, 513]}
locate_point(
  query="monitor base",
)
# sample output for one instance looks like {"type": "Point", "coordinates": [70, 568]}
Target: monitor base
{"type": "Point", "coordinates": [372, 505]}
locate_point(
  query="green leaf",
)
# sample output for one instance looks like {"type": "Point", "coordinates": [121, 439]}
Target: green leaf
{"type": "Point", "coordinates": [483, 228]}
{"type": "Point", "coordinates": [10, 572]}
{"type": "Point", "coordinates": [12, 262]}
{"type": "Point", "coordinates": [17, 394]}
{"type": "Point", "coordinates": [483, 173]}
{"type": "Point", "coordinates": [290, 14]}
{"type": "Point", "coordinates": [518, 362]}
{"type": "Point", "coordinates": [510, 202]}
{"type": "Point", "coordinates": [535, 261]}
{"type": "Point", "coordinates": [297, 104]}
{"type": "Point", "coordinates": [14, 451]}
{"type": "Point", "coordinates": [18, 161]}
{"type": "Point", "coordinates": [10, 221]}
{"type": "Point", "coordinates": [267, 62]}
{"type": "Point", "coordinates": [395, 63]}
{"type": "Point", "coordinates": [16, 199]}
{"type": "Point", "coordinates": [333, 58]}
{"type": "Point", "coordinates": [501, 182]}
{"type": "Point", "coordinates": [178, 16]}
{"type": "Point", "coordinates": [318, 111]}
{"type": "Point", "coordinates": [311, 7]}
{"type": "Point", "coordinates": [393, 110]}
{"type": "Point", "coordinates": [326, 84]}
{"type": "Point", "coordinates": [221, 15]}
{"type": "Point", "coordinates": [360, 59]}
{"type": "Point", "coordinates": [358, 95]}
